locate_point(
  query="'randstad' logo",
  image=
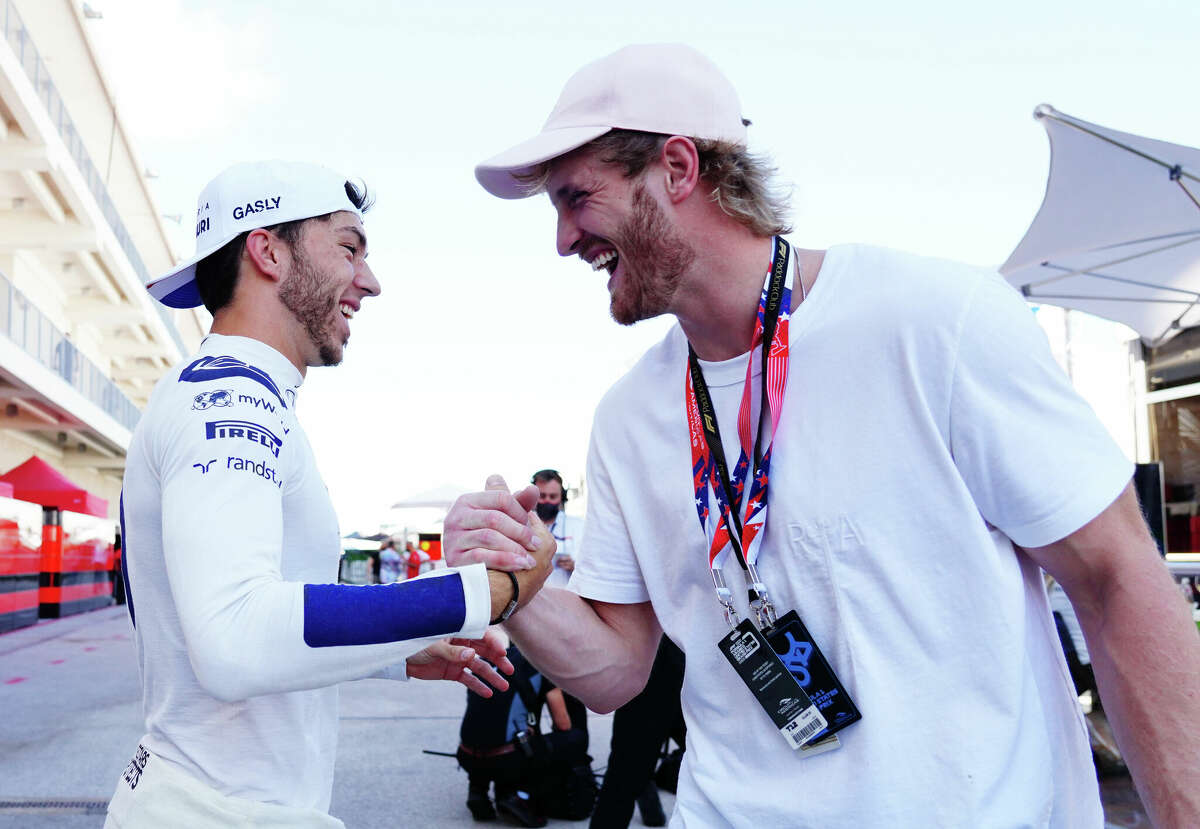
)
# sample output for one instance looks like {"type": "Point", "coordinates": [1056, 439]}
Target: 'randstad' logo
{"type": "Point", "coordinates": [244, 430]}
{"type": "Point", "coordinates": [208, 399]}
{"type": "Point", "coordinates": [258, 468]}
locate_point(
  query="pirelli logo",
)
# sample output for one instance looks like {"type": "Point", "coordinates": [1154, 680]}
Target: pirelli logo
{"type": "Point", "coordinates": [244, 430]}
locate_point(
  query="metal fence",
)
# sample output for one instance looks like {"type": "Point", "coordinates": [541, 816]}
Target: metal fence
{"type": "Point", "coordinates": [31, 61]}
{"type": "Point", "coordinates": [25, 325]}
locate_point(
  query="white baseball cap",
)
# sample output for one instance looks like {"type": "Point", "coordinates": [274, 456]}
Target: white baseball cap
{"type": "Point", "coordinates": [666, 88]}
{"type": "Point", "coordinates": [246, 197]}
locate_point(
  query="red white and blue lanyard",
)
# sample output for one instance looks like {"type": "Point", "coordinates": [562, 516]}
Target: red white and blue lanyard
{"type": "Point", "coordinates": [709, 470]}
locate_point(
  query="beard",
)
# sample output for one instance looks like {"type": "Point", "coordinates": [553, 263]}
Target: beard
{"type": "Point", "coordinates": [654, 258]}
{"type": "Point", "coordinates": [302, 295]}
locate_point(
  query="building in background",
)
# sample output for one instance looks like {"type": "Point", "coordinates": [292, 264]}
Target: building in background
{"type": "Point", "coordinates": [81, 342]}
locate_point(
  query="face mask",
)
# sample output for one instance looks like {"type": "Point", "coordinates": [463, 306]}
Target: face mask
{"type": "Point", "coordinates": [546, 512]}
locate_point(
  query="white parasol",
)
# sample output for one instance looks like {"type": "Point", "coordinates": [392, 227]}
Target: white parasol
{"type": "Point", "coordinates": [1118, 232]}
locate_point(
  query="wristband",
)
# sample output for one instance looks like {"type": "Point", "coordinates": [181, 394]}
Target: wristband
{"type": "Point", "coordinates": [511, 607]}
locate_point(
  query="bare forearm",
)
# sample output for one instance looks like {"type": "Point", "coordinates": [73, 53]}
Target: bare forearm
{"type": "Point", "coordinates": [601, 654]}
{"type": "Point", "coordinates": [1149, 680]}
{"type": "Point", "coordinates": [1144, 650]}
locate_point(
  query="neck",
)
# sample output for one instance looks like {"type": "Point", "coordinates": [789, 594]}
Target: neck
{"type": "Point", "coordinates": [234, 320]}
{"type": "Point", "coordinates": [718, 300]}
{"type": "Point", "coordinates": [718, 306]}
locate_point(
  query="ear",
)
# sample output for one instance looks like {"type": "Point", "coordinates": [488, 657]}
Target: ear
{"type": "Point", "coordinates": [267, 252]}
{"type": "Point", "coordinates": [681, 167]}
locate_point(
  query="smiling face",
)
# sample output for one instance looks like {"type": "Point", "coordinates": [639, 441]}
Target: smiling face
{"type": "Point", "coordinates": [615, 223]}
{"type": "Point", "coordinates": [326, 283]}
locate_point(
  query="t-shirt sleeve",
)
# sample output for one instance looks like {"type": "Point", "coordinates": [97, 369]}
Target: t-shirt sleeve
{"type": "Point", "coordinates": [607, 569]}
{"type": "Point", "coordinates": [1037, 460]}
{"type": "Point", "coordinates": [247, 630]}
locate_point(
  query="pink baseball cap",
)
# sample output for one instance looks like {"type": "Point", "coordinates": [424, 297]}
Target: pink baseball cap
{"type": "Point", "coordinates": [666, 88]}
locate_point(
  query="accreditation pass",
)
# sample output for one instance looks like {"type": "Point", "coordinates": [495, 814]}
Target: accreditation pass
{"type": "Point", "coordinates": [777, 691]}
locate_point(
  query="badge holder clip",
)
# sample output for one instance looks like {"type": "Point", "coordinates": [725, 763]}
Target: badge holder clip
{"type": "Point", "coordinates": [760, 601]}
{"type": "Point", "coordinates": [764, 609]}
{"type": "Point", "coordinates": [725, 597]}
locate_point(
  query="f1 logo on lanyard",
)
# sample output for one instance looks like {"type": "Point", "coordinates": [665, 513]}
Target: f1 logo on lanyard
{"type": "Point", "coordinates": [754, 652]}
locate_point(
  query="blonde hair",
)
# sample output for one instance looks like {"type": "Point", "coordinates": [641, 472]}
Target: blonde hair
{"type": "Point", "coordinates": [742, 182]}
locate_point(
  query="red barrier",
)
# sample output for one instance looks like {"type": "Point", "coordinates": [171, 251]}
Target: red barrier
{"type": "Point", "coordinates": [19, 568]}
{"type": "Point", "coordinates": [71, 580]}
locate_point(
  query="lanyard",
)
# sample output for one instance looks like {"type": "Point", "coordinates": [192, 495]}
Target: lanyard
{"type": "Point", "coordinates": [709, 468]}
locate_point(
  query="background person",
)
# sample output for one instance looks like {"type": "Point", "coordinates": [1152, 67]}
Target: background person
{"type": "Point", "coordinates": [389, 562]}
{"type": "Point", "coordinates": [501, 743]}
{"type": "Point", "coordinates": [641, 728]}
{"type": "Point", "coordinates": [927, 457]}
{"type": "Point", "coordinates": [232, 543]}
{"type": "Point", "coordinates": [567, 530]}
{"type": "Point", "coordinates": [414, 560]}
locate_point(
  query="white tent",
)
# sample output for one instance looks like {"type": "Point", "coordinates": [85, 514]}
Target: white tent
{"type": "Point", "coordinates": [440, 497]}
{"type": "Point", "coordinates": [1118, 232]}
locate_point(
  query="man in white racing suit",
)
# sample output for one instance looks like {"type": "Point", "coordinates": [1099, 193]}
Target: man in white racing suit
{"type": "Point", "coordinates": [232, 543]}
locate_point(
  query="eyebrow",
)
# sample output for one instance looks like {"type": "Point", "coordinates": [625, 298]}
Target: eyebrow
{"type": "Point", "coordinates": [362, 239]}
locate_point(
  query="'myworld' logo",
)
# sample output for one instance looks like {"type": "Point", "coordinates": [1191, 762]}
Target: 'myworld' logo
{"type": "Point", "coordinates": [244, 430]}
{"type": "Point", "coordinates": [257, 402]}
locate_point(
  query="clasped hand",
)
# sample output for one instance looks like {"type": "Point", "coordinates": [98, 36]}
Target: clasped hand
{"type": "Point", "coordinates": [476, 663]}
{"type": "Point", "coordinates": [499, 529]}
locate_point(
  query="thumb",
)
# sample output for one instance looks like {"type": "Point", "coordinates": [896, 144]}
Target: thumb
{"type": "Point", "coordinates": [496, 482]}
{"type": "Point", "coordinates": [527, 498]}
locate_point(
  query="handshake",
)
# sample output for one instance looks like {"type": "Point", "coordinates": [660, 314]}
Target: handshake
{"type": "Point", "coordinates": [502, 531]}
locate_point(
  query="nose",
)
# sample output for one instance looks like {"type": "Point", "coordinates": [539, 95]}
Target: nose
{"type": "Point", "coordinates": [569, 235]}
{"type": "Point", "coordinates": [365, 279]}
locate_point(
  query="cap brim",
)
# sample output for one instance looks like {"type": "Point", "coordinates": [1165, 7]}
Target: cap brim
{"type": "Point", "coordinates": [498, 174]}
{"type": "Point", "coordinates": [178, 289]}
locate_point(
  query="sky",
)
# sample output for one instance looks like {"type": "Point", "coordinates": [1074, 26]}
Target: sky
{"type": "Point", "coordinates": [904, 125]}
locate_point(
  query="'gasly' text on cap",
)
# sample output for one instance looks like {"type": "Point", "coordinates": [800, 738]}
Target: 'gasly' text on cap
{"type": "Point", "coordinates": [256, 206]}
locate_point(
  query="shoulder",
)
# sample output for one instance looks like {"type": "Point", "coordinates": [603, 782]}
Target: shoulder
{"type": "Point", "coordinates": [923, 298]}
{"type": "Point", "coordinates": [890, 274]}
{"type": "Point", "coordinates": [209, 372]}
{"type": "Point", "coordinates": [213, 397]}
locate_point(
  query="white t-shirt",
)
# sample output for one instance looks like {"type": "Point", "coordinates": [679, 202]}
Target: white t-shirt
{"type": "Point", "coordinates": [568, 535]}
{"type": "Point", "coordinates": [231, 543]}
{"type": "Point", "coordinates": [925, 425]}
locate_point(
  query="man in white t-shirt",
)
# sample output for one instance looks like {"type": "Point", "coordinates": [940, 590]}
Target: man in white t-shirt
{"type": "Point", "coordinates": [231, 543]}
{"type": "Point", "coordinates": [567, 530]}
{"type": "Point", "coordinates": [926, 458]}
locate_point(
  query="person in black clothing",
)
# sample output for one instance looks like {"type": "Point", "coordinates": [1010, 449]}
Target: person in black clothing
{"type": "Point", "coordinates": [501, 743]}
{"type": "Point", "coordinates": [640, 729]}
